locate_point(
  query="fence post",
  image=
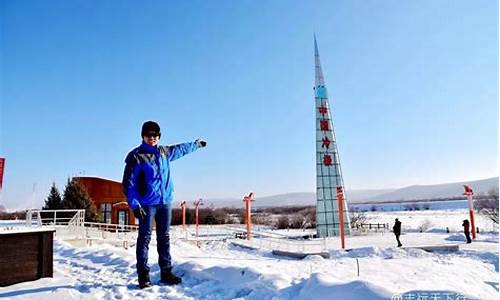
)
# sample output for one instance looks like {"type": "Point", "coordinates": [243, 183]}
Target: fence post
{"type": "Point", "coordinates": [28, 217]}
{"type": "Point", "coordinates": [39, 218]}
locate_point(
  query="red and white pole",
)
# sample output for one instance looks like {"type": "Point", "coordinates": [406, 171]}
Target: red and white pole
{"type": "Point", "coordinates": [197, 203]}
{"type": "Point", "coordinates": [248, 205]}
{"type": "Point", "coordinates": [469, 192]}
{"type": "Point", "coordinates": [340, 198]}
{"type": "Point", "coordinates": [183, 206]}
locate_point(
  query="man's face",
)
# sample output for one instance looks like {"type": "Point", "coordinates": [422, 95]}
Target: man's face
{"type": "Point", "coordinates": [151, 138]}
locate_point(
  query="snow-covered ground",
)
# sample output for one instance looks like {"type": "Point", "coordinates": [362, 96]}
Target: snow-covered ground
{"type": "Point", "coordinates": [439, 219]}
{"type": "Point", "coordinates": [404, 206]}
{"type": "Point", "coordinates": [221, 270]}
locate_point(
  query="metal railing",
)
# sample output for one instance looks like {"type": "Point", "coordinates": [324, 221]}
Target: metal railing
{"type": "Point", "coordinates": [123, 235]}
{"type": "Point", "coordinates": [29, 217]}
{"type": "Point", "coordinates": [54, 217]}
{"type": "Point", "coordinates": [70, 225]}
{"type": "Point", "coordinates": [372, 226]}
{"type": "Point", "coordinates": [112, 228]}
{"type": "Point", "coordinates": [78, 219]}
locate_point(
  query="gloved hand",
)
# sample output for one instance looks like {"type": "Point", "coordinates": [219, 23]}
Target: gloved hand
{"type": "Point", "coordinates": [139, 213]}
{"type": "Point", "coordinates": [201, 143]}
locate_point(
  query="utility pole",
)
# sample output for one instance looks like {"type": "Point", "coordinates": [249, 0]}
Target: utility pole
{"type": "Point", "coordinates": [248, 205]}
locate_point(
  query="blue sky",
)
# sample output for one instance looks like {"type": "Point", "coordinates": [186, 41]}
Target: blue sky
{"type": "Point", "coordinates": [413, 88]}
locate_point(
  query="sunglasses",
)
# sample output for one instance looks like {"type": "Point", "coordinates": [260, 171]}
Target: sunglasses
{"type": "Point", "coordinates": [152, 134]}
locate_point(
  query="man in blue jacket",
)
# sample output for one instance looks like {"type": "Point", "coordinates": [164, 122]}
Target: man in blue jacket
{"type": "Point", "coordinates": [148, 187]}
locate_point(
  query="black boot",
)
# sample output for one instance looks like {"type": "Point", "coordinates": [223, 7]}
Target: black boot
{"type": "Point", "coordinates": [169, 278]}
{"type": "Point", "coordinates": [144, 280]}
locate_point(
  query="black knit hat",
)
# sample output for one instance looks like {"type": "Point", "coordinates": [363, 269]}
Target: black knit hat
{"type": "Point", "coordinates": [150, 127]}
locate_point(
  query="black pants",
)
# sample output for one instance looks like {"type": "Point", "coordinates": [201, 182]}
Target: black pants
{"type": "Point", "coordinates": [397, 239]}
{"type": "Point", "coordinates": [467, 236]}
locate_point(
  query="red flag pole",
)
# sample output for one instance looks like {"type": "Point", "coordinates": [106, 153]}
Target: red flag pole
{"type": "Point", "coordinates": [469, 192]}
{"type": "Point", "coordinates": [340, 197]}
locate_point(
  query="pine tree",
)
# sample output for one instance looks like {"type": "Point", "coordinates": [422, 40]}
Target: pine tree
{"type": "Point", "coordinates": [76, 197]}
{"type": "Point", "coordinates": [54, 200]}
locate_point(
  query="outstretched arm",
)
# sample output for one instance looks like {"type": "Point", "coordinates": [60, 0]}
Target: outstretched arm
{"type": "Point", "coordinates": [179, 150]}
{"type": "Point", "coordinates": [128, 182]}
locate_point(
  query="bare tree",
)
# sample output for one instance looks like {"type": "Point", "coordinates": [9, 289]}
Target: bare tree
{"type": "Point", "coordinates": [297, 221]}
{"type": "Point", "coordinates": [357, 218]}
{"type": "Point", "coordinates": [489, 205]}
{"type": "Point", "coordinates": [283, 222]}
{"type": "Point", "coordinates": [261, 219]}
{"type": "Point", "coordinates": [309, 217]}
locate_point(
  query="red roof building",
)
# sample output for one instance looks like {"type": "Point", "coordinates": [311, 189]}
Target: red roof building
{"type": "Point", "coordinates": [109, 200]}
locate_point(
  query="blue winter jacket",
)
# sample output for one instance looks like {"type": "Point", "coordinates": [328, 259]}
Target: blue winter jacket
{"type": "Point", "coordinates": [146, 178]}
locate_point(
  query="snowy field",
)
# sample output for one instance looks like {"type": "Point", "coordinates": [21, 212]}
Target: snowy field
{"type": "Point", "coordinates": [437, 219]}
{"type": "Point", "coordinates": [220, 270]}
{"type": "Point", "coordinates": [403, 206]}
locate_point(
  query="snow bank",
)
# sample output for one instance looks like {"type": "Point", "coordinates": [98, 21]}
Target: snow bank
{"type": "Point", "coordinates": [384, 253]}
{"type": "Point", "coordinates": [456, 237]}
{"type": "Point", "coordinates": [225, 282]}
{"type": "Point", "coordinates": [484, 238]}
{"type": "Point", "coordinates": [318, 286]}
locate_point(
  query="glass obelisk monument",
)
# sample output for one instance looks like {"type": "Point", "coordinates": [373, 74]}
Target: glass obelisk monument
{"type": "Point", "coordinates": [329, 182]}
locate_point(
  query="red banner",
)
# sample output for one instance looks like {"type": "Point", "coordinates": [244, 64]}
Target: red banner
{"type": "Point", "coordinates": [2, 164]}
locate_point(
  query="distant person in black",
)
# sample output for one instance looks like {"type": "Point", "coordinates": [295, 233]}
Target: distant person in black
{"type": "Point", "coordinates": [466, 226]}
{"type": "Point", "coordinates": [397, 231]}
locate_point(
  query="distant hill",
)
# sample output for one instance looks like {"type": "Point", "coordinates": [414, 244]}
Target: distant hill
{"type": "Point", "coordinates": [413, 192]}
{"type": "Point", "coordinates": [435, 191]}
{"type": "Point", "coordinates": [356, 196]}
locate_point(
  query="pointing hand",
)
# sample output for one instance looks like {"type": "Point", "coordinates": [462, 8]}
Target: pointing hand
{"type": "Point", "coordinates": [201, 143]}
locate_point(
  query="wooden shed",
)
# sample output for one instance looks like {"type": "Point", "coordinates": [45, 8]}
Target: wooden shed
{"type": "Point", "coordinates": [25, 255]}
